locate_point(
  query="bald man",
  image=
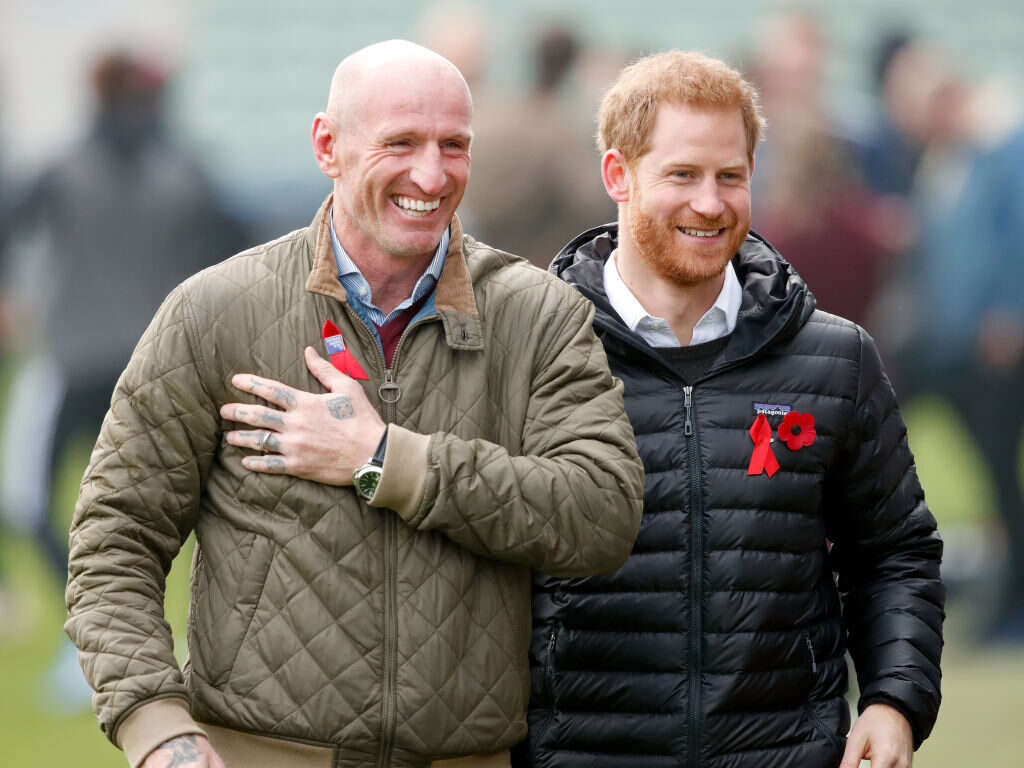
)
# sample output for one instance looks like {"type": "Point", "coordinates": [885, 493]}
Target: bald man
{"type": "Point", "coordinates": [376, 427]}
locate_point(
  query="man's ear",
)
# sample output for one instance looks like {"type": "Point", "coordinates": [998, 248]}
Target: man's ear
{"type": "Point", "coordinates": [325, 145]}
{"type": "Point", "coordinates": [616, 176]}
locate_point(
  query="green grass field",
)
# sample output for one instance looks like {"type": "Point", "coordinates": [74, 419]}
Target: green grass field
{"type": "Point", "coordinates": [975, 727]}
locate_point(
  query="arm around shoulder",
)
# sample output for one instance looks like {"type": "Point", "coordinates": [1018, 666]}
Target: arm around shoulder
{"type": "Point", "coordinates": [569, 503]}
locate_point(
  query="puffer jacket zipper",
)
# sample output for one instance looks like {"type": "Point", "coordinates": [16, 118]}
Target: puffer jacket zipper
{"type": "Point", "coordinates": [696, 576]}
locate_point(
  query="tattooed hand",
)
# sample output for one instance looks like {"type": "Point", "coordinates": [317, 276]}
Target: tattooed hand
{"type": "Point", "coordinates": [189, 751]}
{"type": "Point", "coordinates": [316, 437]}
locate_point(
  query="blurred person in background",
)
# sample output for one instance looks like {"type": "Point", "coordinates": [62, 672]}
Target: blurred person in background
{"type": "Point", "coordinates": [892, 148]}
{"type": "Point", "coordinates": [969, 280]}
{"type": "Point", "coordinates": [533, 169]}
{"type": "Point", "coordinates": [949, 314]}
{"type": "Point", "coordinates": [105, 232]}
{"type": "Point", "coordinates": [784, 523]}
{"type": "Point", "coordinates": [9, 605]}
{"type": "Point", "coordinates": [907, 73]}
{"type": "Point", "coordinates": [365, 531]}
{"type": "Point", "coordinates": [458, 31]}
{"type": "Point", "coordinates": [811, 203]}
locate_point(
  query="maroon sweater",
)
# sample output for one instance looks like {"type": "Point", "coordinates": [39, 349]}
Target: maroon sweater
{"type": "Point", "coordinates": [392, 330]}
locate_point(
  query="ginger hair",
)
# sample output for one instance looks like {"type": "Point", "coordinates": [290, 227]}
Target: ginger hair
{"type": "Point", "coordinates": [628, 109]}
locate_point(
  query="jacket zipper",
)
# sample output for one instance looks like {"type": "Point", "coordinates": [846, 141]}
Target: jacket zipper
{"type": "Point", "coordinates": [389, 393]}
{"type": "Point", "coordinates": [810, 650]}
{"type": "Point", "coordinates": [696, 574]}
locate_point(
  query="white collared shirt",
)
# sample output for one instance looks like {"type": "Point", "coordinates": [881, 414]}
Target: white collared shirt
{"type": "Point", "coordinates": [718, 321]}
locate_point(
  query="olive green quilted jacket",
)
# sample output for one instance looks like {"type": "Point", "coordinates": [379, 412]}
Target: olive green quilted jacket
{"type": "Point", "coordinates": [393, 634]}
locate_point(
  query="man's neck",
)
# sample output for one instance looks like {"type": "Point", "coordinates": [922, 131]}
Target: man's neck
{"type": "Point", "coordinates": [392, 279]}
{"type": "Point", "coordinates": [681, 306]}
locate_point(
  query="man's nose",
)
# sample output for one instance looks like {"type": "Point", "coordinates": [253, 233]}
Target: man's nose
{"type": "Point", "coordinates": [708, 201]}
{"type": "Point", "coordinates": [428, 171]}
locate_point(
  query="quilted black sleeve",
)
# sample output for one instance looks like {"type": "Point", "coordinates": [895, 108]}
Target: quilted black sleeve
{"type": "Point", "coordinates": [887, 552]}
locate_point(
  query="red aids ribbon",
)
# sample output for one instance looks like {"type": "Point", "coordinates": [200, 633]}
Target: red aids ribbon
{"type": "Point", "coordinates": [763, 459]}
{"type": "Point", "coordinates": [797, 430]}
{"type": "Point", "coordinates": [340, 357]}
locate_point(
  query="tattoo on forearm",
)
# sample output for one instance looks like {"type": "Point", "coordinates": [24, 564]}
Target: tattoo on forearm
{"type": "Point", "coordinates": [184, 751]}
{"type": "Point", "coordinates": [341, 407]}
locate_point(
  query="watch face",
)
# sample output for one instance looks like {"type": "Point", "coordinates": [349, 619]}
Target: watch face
{"type": "Point", "coordinates": [367, 479]}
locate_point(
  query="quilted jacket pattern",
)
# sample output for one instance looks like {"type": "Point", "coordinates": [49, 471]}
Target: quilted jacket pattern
{"type": "Point", "coordinates": [721, 642]}
{"type": "Point", "coordinates": [315, 617]}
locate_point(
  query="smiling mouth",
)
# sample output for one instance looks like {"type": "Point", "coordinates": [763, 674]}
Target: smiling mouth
{"type": "Point", "coordinates": [707, 233]}
{"type": "Point", "coordinates": [416, 207]}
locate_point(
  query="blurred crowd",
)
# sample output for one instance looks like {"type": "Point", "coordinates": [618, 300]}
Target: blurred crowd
{"type": "Point", "coordinates": [909, 224]}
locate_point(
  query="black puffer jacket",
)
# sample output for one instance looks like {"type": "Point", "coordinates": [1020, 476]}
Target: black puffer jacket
{"type": "Point", "coordinates": [721, 641]}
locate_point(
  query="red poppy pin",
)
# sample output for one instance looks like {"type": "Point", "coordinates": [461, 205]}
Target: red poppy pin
{"type": "Point", "coordinates": [797, 430]}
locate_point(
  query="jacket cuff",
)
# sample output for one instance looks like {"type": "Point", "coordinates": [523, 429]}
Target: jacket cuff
{"type": "Point", "coordinates": [899, 706]}
{"type": "Point", "coordinates": [151, 725]}
{"type": "Point", "coordinates": [404, 473]}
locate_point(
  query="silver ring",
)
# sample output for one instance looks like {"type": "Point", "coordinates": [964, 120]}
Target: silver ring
{"type": "Point", "coordinates": [263, 441]}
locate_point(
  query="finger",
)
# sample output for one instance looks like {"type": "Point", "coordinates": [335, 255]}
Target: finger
{"type": "Point", "coordinates": [272, 391]}
{"type": "Point", "coordinates": [269, 465]}
{"type": "Point", "coordinates": [325, 373]}
{"type": "Point", "coordinates": [856, 746]}
{"type": "Point", "coordinates": [253, 415]}
{"type": "Point", "coordinates": [254, 439]}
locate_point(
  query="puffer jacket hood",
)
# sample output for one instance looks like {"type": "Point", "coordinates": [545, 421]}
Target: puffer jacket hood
{"type": "Point", "coordinates": [776, 301]}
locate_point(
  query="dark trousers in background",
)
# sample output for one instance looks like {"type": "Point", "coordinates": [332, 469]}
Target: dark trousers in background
{"type": "Point", "coordinates": [80, 414]}
{"type": "Point", "coordinates": [991, 403]}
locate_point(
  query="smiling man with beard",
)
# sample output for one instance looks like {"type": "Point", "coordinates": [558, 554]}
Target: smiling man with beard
{"type": "Point", "coordinates": [783, 525]}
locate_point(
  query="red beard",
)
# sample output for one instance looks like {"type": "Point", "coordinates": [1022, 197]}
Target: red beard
{"type": "Point", "coordinates": [662, 247]}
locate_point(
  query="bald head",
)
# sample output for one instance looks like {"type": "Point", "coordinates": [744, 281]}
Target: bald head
{"type": "Point", "coordinates": [384, 65]}
{"type": "Point", "coordinates": [395, 139]}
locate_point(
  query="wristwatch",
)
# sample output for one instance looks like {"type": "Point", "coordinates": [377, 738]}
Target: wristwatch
{"type": "Point", "coordinates": [367, 477]}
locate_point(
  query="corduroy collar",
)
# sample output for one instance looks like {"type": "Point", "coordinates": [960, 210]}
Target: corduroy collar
{"type": "Point", "coordinates": [453, 297]}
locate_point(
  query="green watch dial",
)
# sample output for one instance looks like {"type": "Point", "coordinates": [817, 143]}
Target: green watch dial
{"type": "Point", "coordinates": [366, 480]}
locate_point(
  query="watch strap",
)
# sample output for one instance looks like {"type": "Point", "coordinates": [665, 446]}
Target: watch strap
{"type": "Point", "coordinates": [378, 455]}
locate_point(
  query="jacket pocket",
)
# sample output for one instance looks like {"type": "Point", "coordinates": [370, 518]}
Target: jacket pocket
{"type": "Point", "coordinates": [225, 598]}
{"type": "Point", "coordinates": [821, 727]}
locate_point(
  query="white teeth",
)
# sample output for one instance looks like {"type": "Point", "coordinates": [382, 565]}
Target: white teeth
{"type": "Point", "coordinates": [700, 232]}
{"type": "Point", "coordinates": [416, 206]}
